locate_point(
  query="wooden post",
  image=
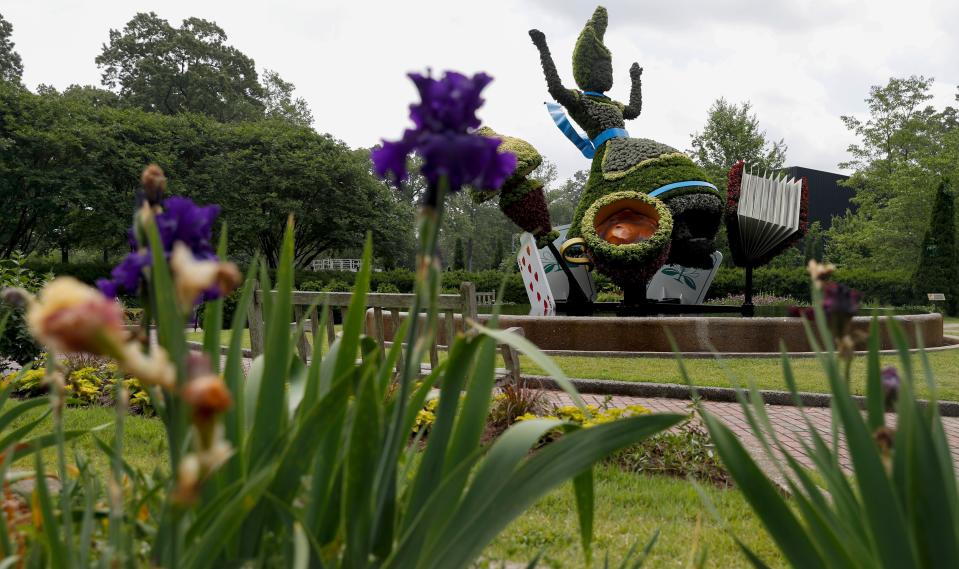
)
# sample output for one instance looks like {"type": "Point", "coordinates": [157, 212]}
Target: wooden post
{"type": "Point", "coordinates": [468, 298]}
{"type": "Point", "coordinates": [303, 344]}
{"type": "Point", "coordinates": [378, 326]}
{"type": "Point", "coordinates": [511, 358]}
{"type": "Point", "coordinates": [257, 326]}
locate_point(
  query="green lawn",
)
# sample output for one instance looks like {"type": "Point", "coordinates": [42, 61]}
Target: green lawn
{"type": "Point", "coordinates": [767, 372]}
{"type": "Point", "coordinates": [144, 439]}
{"type": "Point", "coordinates": [630, 508]}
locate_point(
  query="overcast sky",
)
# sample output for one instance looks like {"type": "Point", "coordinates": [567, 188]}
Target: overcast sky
{"type": "Point", "coordinates": [802, 63]}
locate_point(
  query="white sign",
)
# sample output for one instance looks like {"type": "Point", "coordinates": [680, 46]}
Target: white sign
{"type": "Point", "coordinates": [541, 300]}
{"type": "Point", "coordinates": [933, 296]}
{"type": "Point", "coordinates": [688, 285]}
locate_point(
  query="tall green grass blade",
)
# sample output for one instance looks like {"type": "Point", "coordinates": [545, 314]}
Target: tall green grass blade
{"type": "Point", "coordinates": [874, 399]}
{"type": "Point", "coordinates": [356, 314]}
{"type": "Point", "coordinates": [227, 522]}
{"type": "Point", "coordinates": [235, 418]}
{"type": "Point", "coordinates": [764, 498]}
{"type": "Point", "coordinates": [51, 527]}
{"type": "Point", "coordinates": [539, 358]}
{"type": "Point", "coordinates": [270, 416]}
{"type": "Point", "coordinates": [430, 473]}
{"type": "Point", "coordinates": [213, 315]}
{"type": "Point", "coordinates": [583, 491]}
{"type": "Point", "coordinates": [361, 459]}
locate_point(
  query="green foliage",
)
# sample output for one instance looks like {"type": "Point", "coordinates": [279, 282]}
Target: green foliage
{"type": "Point", "coordinates": [387, 288]}
{"type": "Point", "coordinates": [16, 343]}
{"type": "Point", "coordinates": [321, 471]}
{"type": "Point", "coordinates": [281, 103]}
{"type": "Point", "coordinates": [732, 133]}
{"type": "Point", "coordinates": [71, 160]}
{"type": "Point", "coordinates": [887, 288]}
{"type": "Point", "coordinates": [939, 260]}
{"type": "Point", "coordinates": [897, 508]}
{"type": "Point", "coordinates": [592, 61]}
{"type": "Point", "coordinates": [459, 256]}
{"type": "Point", "coordinates": [11, 67]}
{"type": "Point", "coordinates": [904, 148]}
{"type": "Point", "coordinates": [157, 67]}
{"type": "Point", "coordinates": [684, 452]}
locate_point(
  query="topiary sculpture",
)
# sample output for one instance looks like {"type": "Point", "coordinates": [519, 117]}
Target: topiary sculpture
{"type": "Point", "coordinates": [674, 190]}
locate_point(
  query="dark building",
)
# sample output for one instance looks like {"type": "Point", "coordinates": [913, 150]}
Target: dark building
{"type": "Point", "coordinates": [826, 197]}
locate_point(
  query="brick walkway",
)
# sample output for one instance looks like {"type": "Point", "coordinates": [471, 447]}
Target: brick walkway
{"type": "Point", "coordinates": [788, 422]}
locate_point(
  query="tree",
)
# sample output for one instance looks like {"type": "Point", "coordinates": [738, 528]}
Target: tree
{"type": "Point", "coordinates": [11, 67]}
{"type": "Point", "coordinates": [459, 255]}
{"type": "Point", "coordinates": [261, 172]}
{"type": "Point", "coordinates": [905, 148]}
{"type": "Point", "coordinates": [281, 103]}
{"type": "Point", "coordinates": [157, 67]}
{"type": "Point", "coordinates": [938, 260]}
{"type": "Point", "coordinates": [731, 134]}
{"type": "Point", "coordinates": [564, 199]}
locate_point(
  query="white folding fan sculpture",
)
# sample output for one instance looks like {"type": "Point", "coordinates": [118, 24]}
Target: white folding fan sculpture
{"type": "Point", "coordinates": [767, 214]}
{"type": "Point", "coordinates": [764, 216]}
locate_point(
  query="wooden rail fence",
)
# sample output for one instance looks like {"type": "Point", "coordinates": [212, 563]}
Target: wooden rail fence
{"type": "Point", "coordinates": [454, 310]}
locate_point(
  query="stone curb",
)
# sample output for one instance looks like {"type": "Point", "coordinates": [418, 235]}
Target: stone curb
{"type": "Point", "coordinates": [721, 394]}
{"type": "Point", "coordinates": [950, 343]}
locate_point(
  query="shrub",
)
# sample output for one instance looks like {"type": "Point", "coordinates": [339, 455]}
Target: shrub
{"type": "Point", "coordinates": [684, 452]}
{"type": "Point", "coordinates": [387, 288]}
{"type": "Point", "coordinates": [16, 343]}
{"type": "Point", "coordinates": [889, 288]}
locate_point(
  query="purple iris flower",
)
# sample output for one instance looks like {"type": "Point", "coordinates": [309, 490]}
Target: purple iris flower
{"type": "Point", "coordinates": [444, 121]}
{"type": "Point", "coordinates": [181, 220]}
{"type": "Point", "coordinates": [890, 382]}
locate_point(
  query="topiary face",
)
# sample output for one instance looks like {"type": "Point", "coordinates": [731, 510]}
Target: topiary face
{"type": "Point", "coordinates": [592, 61]}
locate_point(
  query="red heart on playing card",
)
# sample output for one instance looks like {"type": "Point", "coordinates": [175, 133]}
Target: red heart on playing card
{"type": "Point", "coordinates": [530, 286]}
{"type": "Point", "coordinates": [536, 276]}
{"type": "Point", "coordinates": [539, 296]}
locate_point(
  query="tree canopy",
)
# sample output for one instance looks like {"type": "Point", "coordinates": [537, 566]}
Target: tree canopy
{"type": "Point", "coordinates": [157, 67]}
{"type": "Point", "coordinates": [732, 133]}
{"type": "Point", "coordinates": [905, 147]}
{"type": "Point", "coordinates": [71, 163]}
{"type": "Point", "coordinates": [11, 67]}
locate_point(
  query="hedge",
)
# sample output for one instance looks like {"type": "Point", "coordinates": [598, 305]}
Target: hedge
{"type": "Point", "coordinates": [891, 288]}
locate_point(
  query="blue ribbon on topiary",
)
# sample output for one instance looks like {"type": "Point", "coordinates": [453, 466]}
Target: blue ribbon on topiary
{"type": "Point", "coordinates": [586, 146]}
{"type": "Point", "coordinates": [676, 185]}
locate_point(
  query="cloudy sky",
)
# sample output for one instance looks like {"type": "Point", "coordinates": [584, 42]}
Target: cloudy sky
{"type": "Point", "coordinates": [802, 63]}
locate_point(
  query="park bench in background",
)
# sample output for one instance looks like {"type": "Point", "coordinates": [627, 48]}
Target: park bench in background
{"type": "Point", "coordinates": [384, 312]}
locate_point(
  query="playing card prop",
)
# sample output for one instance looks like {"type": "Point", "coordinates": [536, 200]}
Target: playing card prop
{"type": "Point", "coordinates": [687, 284]}
{"type": "Point", "coordinates": [558, 282]}
{"type": "Point", "coordinates": [764, 214]}
{"type": "Point", "coordinates": [541, 300]}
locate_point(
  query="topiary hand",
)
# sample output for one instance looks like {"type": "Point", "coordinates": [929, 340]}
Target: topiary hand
{"type": "Point", "coordinates": [539, 38]}
{"type": "Point", "coordinates": [635, 105]}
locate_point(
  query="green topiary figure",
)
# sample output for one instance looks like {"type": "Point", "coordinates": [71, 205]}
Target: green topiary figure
{"type": "Point", "coordinates": [633, 248]}
{"type": "Point", "coordinates": [520, 198]}
{"type": "Point", "coordinates": [938, 266]}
